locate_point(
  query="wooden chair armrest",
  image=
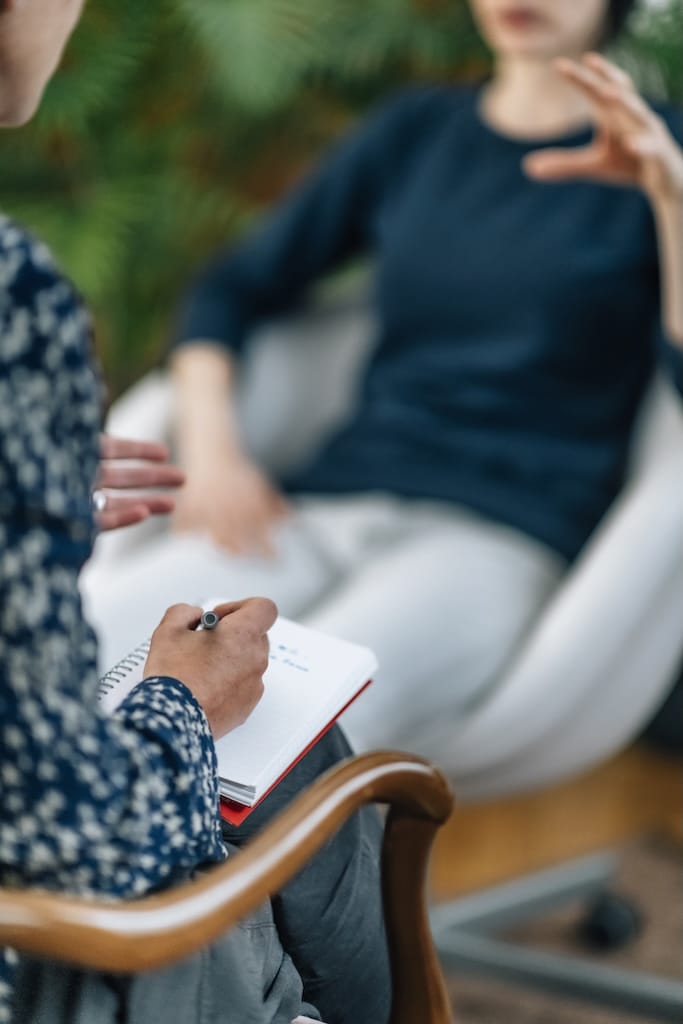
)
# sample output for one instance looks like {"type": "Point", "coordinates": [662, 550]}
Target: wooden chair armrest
{"type": "Point", "coordinates": [154, 931]}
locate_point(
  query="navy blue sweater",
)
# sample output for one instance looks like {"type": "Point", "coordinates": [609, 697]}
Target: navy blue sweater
{"type": "Point", "coordinates": [520, 321]}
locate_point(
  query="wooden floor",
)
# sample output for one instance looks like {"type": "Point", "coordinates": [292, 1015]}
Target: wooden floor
{"type": "Point", "coordinates": [638, 793]}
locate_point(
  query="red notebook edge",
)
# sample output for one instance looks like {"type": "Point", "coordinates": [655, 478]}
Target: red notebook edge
{"type": "Point", "coordinates": [235, 813]}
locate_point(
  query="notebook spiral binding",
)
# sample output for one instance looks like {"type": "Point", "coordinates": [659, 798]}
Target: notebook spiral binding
{"type": "Point", "coordinates": [123, 668]}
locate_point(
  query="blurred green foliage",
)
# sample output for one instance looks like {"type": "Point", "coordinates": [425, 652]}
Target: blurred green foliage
{"type": "Point", "coordinates": [172, 123]}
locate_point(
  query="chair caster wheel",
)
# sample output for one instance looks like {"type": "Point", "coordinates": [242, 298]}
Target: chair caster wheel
{"type": "Point", "coordinates": [610, 923]}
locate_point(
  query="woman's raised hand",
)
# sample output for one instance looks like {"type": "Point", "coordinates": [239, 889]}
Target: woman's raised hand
{"type": "Point", "coordinates": [230, 499]}
{"type": "Point", "coordinates": [222, 667]}
{"type": "Point", "coordinates": [152, 469]}
{"type": "Point", "coordinates": [632, 144]}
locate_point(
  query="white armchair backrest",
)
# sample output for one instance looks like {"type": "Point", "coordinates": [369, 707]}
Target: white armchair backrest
{"type": "Point", "coordinates": [658, 435]}
{"type": "Point", "coordinates": [301, 378]}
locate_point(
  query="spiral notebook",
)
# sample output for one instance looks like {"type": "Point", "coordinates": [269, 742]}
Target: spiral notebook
{"type": "Point", "coordinates": [311, 679]}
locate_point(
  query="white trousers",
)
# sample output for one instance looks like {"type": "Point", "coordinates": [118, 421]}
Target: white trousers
{"type": "Point", "coordinates": [443, 597]}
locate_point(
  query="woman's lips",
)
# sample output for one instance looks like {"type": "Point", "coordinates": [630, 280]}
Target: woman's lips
{"type": "Point", "coordinates": [520, 18]}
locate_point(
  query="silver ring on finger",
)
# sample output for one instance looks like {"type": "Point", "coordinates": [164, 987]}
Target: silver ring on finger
{"type": "Point", "coordinates": [99, 501]}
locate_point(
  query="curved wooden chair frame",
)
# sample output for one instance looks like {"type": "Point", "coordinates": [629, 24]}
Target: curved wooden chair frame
{"type": "Point", "coordinates": [157, 930]}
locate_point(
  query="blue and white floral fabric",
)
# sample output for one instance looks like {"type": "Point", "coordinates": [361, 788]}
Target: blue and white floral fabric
{"type": "Point", "coordinates": [89, 804]}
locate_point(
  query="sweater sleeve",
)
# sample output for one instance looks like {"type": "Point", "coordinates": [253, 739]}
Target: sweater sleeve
{"type": "Point", "coordinates": [324, 222]}
{"type": "Point", "coordinates": [90, 804]}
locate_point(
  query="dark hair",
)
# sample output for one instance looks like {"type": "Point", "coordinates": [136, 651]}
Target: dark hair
{"type": "Point", "coordinates": [617, 15]}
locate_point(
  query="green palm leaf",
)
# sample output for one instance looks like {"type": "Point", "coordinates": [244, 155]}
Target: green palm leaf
{"type": "Point", "coordinates": [259, 50]}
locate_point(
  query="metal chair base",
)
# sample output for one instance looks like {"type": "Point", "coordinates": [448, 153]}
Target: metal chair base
{"type": "Point", "coordinates": [462, 933]}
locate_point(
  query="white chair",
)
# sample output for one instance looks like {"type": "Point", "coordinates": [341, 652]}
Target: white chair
{"type": "Point", "coordinates": [607, 647]}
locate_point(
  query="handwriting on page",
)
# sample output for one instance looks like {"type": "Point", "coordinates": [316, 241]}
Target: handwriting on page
{"type": "Point", "coordinates": [289, 656]}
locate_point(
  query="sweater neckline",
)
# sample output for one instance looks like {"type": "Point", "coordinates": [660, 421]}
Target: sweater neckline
{"type": "Point", "coordinates": [581, 134]}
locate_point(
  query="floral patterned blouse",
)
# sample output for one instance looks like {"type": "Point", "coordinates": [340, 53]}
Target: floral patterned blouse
{"type": "Point", "coordinates": [89, 804]}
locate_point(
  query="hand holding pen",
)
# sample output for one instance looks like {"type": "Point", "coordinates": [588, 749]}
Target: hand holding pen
{"type": "Point", "coordinates": [225, 674]}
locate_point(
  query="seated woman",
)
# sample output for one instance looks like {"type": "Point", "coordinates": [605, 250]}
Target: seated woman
{"type": "Point", "coordinates": [122, 805]}
{"type": "Point", "coordinates": [528, 240]}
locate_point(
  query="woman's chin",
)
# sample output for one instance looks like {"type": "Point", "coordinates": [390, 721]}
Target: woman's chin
{"type": "Point", "coordinates": [539, 45]}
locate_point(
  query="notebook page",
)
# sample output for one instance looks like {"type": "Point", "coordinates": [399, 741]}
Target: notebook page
{"type": "Point", "coordinates": [310, 678]}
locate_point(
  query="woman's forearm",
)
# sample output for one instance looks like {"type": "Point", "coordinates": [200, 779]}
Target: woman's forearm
{"type": "Point", "coordinates": [203, 376]}
{"type": "Point", "coordinates": [669, 220]}
{"type": "Point", "coordinates": [226, 497]}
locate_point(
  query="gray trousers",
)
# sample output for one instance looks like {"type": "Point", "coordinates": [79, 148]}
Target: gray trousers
{"type": "Point", "coordinates": [318, 950]}
{"type": "Point", "coordinates": [443, 596]}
